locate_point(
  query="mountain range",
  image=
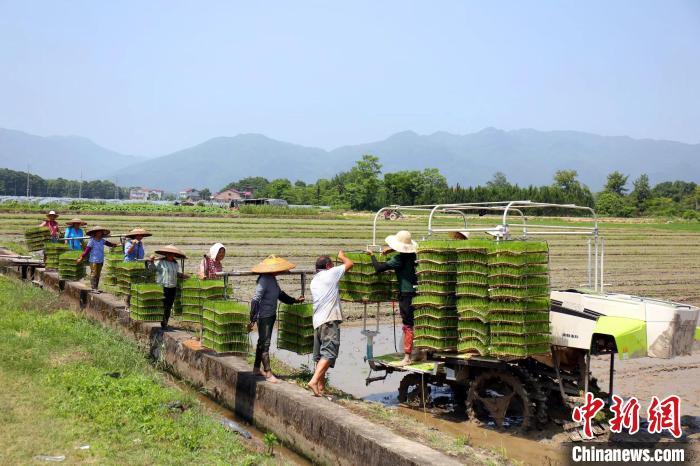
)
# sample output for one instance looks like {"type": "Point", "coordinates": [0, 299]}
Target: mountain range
{"type": "Point", "coordinates": [526, 156]}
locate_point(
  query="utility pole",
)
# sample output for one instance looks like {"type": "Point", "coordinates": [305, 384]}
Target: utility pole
{"type": "Point", "coordinates": [27, 180]}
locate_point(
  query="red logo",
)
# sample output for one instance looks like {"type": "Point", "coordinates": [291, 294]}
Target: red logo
{"type": "Point", "coordinates": [626, 414]}
{"type": "Point", "coordinates": [587, 412]}
{"type": "Point", "coordinates": [665, 415]}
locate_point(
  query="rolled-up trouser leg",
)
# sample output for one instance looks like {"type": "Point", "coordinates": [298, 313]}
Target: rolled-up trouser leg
{"type": "Point", "coordinates": [262, 350]}
{"type": "Point", "coordinates": [95, 272]}
{"type": "Point", "coordinates": [407, 311]}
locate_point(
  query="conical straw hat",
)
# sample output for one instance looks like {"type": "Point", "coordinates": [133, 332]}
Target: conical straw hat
{"type": "Point", "coordinates": [171, 249]}
{"type": "Point", "coordinates": [138, 232]}
{"type": "Point", "coordinates": [76, 220]}
{"type": "Point", "coordinates": [273, 264]}
{"type": "Point", "coordinates": [459, 235]}
{"type": "Point", "coordinates": [401, 242]}
{"type": "Point", "coordinates": [95, 229]}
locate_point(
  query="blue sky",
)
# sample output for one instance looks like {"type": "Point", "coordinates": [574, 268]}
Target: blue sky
{"type": "Point", "coordinates": [148, 78]}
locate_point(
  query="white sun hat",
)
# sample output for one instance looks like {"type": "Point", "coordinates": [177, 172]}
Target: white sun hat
{"type": "Point", "coordinates": [401, 242]}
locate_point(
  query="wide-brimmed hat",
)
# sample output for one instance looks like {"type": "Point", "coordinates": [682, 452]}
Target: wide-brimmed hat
{"type": "Point", "coordinates": [273, 264]}
{"type": "Point", "coordinates": [401, 242]}
{"type": "Point", "coordinates": [459, 235]}
{"type": "Point", "coordinates": [95, 229]}
{"type": "Point", "coordinates": [76, 221]}
{"type": "Point", "coordinates": [171, 249]}
{"type": "Point", "coordinates": [52, 212]}
{"type": "Point", "coordinates": [138, 232]}
{"type": "Point", "coordinates": [214, 250]}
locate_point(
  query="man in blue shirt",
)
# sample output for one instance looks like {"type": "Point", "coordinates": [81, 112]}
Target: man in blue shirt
{"type": "Point", "coordinates": [133, 249]}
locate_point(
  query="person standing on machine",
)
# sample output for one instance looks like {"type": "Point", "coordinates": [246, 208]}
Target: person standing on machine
{"type": "Point", "coordinates": [404, 265]}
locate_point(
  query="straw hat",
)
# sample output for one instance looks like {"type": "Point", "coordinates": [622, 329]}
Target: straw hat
{"type": "Point", "coordinates": [95, 229]}
{"type": "Point", "coordinates": [138, 232]}
{"type": "Point", "coordinates": [273, 264]}
{"type": "Point", "coordinates": [171, 249]}
{"type": "Point", "coordinates": [52, 212]}
{"type": "Point", "coordinates": [401, 242]}
{"type": "Point", "coordinates": [76, 221]}
{"type": "Point", "coordinates": [459, 235]}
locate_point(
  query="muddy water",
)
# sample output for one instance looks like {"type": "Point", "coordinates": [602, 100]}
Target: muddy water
{"type": "Point", "coordinates": [351, 369]}
{"type": "Point", "coordinates": [282, 454]}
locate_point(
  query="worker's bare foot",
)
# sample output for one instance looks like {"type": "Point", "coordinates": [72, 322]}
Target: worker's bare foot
{"type": "Point", "coordinates": [405, 361]}
{"type": "Point", "coordinates": [322, 386]}
{"type": "Point", "coordinates": [314, 388]}
{"type": "Point", "coordinates": [270, 377]}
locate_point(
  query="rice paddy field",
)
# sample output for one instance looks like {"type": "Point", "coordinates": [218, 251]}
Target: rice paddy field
{"type": "Point", "coordinates": [641, 257]}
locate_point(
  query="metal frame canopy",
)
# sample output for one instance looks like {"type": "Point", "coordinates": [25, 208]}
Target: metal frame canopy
{"type": "Point", "coordinates": [504, 229]}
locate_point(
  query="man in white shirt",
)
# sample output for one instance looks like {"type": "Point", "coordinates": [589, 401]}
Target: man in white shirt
{"type": "Point", "coordinates": [328, 316]}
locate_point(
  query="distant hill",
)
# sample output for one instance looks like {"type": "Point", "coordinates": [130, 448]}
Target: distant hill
{"type": "Point", "coordinates": [526, 156]}
{"type": "Point", "coordinates": [59, 156]}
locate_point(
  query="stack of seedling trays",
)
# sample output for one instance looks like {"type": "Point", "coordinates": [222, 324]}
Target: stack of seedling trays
{"type": "Point", "coordinates": [68, 270]}
{"type": "Point", "coordinates": [52, 252]}
{"type": "Point", "coordinates": [147, 302]}
{"type": "Point", "coordinates": [435, 311]}
{"type": "Point", "coordinates": [518, 311]}
{"type": "Point", "coordinates": [362, 284]}
{"type": "Point", "coordinates": [195, 293]}
{"type": "Point", "coordinates": [224, 325]}
{"type": "Point", "coordinates": [112, 260]}
{"type": "Point", "coordinates": [130, 274]}
{"type": "Point", "coordinates": [36, 237]}
{"type": "Point", "coordinates": [295, 331]}
{"type": "Point", "coordinates": [472, 292]}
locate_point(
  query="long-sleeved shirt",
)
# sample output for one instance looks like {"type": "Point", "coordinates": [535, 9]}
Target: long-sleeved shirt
{"type": "Point", "coordinates": [404, 264]}
{"type": "Point", "coordinates": [267, 293]}
{"type": "Point", "coordinates": [166, 272]}
{"type": "Point", "coordinates": [96, 250]}
{"type": "Point", "coordinates": [137, 253]}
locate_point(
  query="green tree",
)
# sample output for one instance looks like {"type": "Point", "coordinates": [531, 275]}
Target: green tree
{"type": "Point", "coordinates": [616, 183]}
{"type": "Point", "coordinates": [567, 180]}
{"type": "Point", "coordinates": [433, 187]}
{"type": "Point", "coordinates": [205, 194]}
{"type": "Point", "coordinates": [363, 188]}
{"type": "Point", "coordinates": [498, 181]}
{"type": "Point", "coordinates": [613, 205]}
{"type": "Point", "coordinates": [641, 192]}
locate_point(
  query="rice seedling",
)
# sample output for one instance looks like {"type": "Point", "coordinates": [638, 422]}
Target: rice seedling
{"type": "Point", "coordinates": [472, 346]}
{"type": "Point", "coordinates": [435, 246]}
{"type": "Point", "coordinates": [437, 257]}
{"type": "Point", "coordinates": [518, 293]}
{"type": "Point", "coordinates": [447, 288]}
{"type": "Point", "coordinates": [52, 251]}
{"type": "Point", "coordinates": [67, 268]}
{"type": "Point", "coordinates": [224, 325]}
{"type": "Point", "coordinates": [469, 290]}
{"type": "Point", "coordinates": [473, 279]}
{"type": "Point", "coordinates": [506, 281]}
{"type": "Point", "coordinates": [432, 268]}
{"type": "Point", "coordinates": [146, 302]}
{"type": "Point", "coordinates": [528, 328]}
{"type": "Point", "coordinates": [36, 237]}
{"type": "Point", "coordinates": [478, 246]}
{"type": "Point", "coordinates": [518, 318]}
{"type": "Point", "coordinates": [472, 327]}
{"type": "Point", "coordinates": [295, 330]}
{"type": "Point", "coordinates": [437, 301]}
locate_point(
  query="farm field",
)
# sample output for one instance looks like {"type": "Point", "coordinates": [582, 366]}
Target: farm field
{"type": "Point", "coordinates": [650, 259]}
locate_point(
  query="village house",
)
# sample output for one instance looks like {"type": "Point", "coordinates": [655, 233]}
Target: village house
{"type": "Point", "coordinates": [146, 194]}
{"type": "Point", "coordinates": [190, 194]}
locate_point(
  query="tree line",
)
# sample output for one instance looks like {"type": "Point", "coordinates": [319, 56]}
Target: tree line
{"type": "Point", "coordinates": [15, 183]}
{"type": "Point", "coordinates": [365, 187]}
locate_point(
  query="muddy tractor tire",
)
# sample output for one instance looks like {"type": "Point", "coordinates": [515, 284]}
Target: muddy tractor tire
{"type": "Point", "coordinates": [501, 398]}
{"type": "Point", "coordinates": [414, 391]}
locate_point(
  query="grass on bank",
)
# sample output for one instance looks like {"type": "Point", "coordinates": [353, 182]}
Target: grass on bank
{"type": "Point", "coordinates": [66, 382]}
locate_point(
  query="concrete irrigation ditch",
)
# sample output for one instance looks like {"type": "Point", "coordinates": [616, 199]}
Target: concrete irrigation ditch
{"type": "Point", "coordinates": [316, 428]}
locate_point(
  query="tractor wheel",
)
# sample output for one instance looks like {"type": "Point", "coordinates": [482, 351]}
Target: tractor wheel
{"type": "Point", "coordinates": [414, 391]}
{"type": "Point", "coordinates": [500, 398]}
{"type": "Point", "coordinates": [393, 216]}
